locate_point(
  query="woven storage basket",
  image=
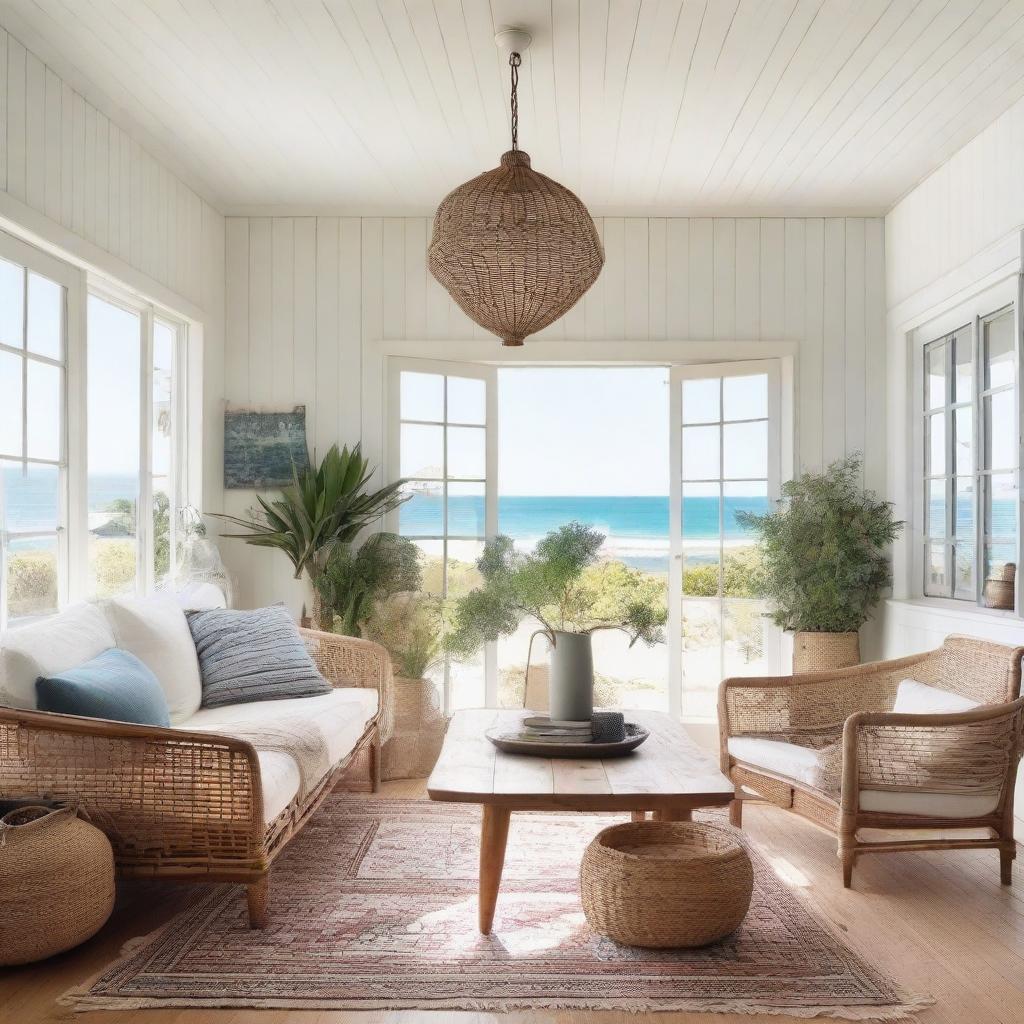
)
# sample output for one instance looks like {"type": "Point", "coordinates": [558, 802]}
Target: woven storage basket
{"type": "Point", "coordinates": [56, 884]}
{"type": "Point", "coordinates": [822, 652]}
{"type": "Point", "coordinates": [660, 884]}
{"type": "Point", "coordinates": [413, 749]}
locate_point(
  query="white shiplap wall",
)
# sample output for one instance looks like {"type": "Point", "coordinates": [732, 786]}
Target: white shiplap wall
{"type": "Point", "coordinates": [308, 298]}
{"type": "Point", "coordinates": [73, 179]}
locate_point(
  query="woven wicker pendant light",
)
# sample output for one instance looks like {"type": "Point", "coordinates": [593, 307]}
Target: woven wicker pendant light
{"type": "Point", "coordinates": [513, 248]}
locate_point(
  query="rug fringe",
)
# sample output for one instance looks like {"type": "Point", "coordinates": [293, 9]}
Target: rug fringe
{"type": "Point", "coordinates": [896, 1012]}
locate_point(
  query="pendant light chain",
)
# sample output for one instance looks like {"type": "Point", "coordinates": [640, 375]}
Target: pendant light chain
{"type": "Point", "coordinates": [514, 60]}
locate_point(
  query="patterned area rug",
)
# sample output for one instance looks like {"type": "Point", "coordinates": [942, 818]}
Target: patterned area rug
{"type": "Point", "coordinates": [374, 906]}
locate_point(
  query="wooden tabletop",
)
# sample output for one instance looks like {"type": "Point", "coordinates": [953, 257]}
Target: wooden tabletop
{"type": "Point", "coordinates": [668, 771]}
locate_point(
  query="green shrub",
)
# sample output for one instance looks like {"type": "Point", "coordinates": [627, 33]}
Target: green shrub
{"type": "Point", "coordinates": [31, 583]}
{"type": "Point", "coordinates": [742, 572]}
{"type": "Point", "coordinates": [113, 566]}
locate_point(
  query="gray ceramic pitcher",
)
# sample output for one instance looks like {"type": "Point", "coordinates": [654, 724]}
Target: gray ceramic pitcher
{"type": "Point", "coordinates": [571, 679]}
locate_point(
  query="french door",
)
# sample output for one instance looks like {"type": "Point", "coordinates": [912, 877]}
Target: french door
{"type": "Point", "coordinates": [725, 451]}
{"type": "Point", "coordinates": [443, 440]}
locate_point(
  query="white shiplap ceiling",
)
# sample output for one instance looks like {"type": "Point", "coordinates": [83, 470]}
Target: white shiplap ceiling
{"type": "Point", "coordinates": [647, 106]}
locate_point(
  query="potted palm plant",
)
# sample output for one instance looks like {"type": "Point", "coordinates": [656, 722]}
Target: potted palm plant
{"type": "Point", "coordinates": [562, 585]}
{"type": "Point", "coordinates": [323, 507]}
{"type": "Point", "coordinates": [825, 562]}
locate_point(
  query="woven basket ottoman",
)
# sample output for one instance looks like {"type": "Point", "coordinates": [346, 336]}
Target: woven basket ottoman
{"type": "Point", "coordinates": [666, 884]}
{"type": "Point", "coordinates": [56, 882]}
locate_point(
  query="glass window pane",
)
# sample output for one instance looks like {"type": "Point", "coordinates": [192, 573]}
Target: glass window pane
{"type": "Point", "coordinates": [10, 403]}
{"type": "Point", "coordinates": [963, 366]}
{"type": "Point", "coordinates": [701, 400]}
{"type": "Point", "coordinates": [422, 451]}
{"type": "Point", "coordinates": [748, 496]}
{"type": "Point", "coordinates": [432, 565]}
{"type": "Point", "coordinates": [997, 558]}
{"type": "Point", "coordinates": [45, 316]}
{"type": "Point", "coordinates": [701, 511]}
{"type": "Point", "coordinates": [963, 567]}
{"type": "Point", "coordinates": [935, 583]}
{"type": "Point", "coordinates": [963, 442]}
{"type": "Point", "coordinates": [32, 575]}
{"type": "Point", "coordinates": [12, 298]}
{"type": "Point", "coordinates": [421, 515]}
{"type": "Point", "coordinates": [744, 650]}
{"type": "Point", "coordinates": [745, 398]}
{"type": "Point", "coordinates": [701, 453]}
{"type": "Point", "coordinates": [935, 375]}
{"type": "Point", "coordinates": [44, 411]}
{"type": "Point", "coordinates": [466, 511]}
{"type": "Point", "coordinates": [29, 497]}
{"type": "Point", "coordinates": [964, 524]}
{"type": "Point", "coordinates": [937, 508]}
{"type": "Point", "coordinates": [936, 444]}
{"type": "Point", "coordinates": [1001, 430]}
{"type": "Point", "coordinates": [999, 350]}
{"type": "Point", "coordinates": [467, 400]}
{"type": "Point", "coordinates": [745, 450]}
{"type": "Point", "coordinates": [114, 356]}
{"type": "Point", "coordinates": [1001, 506]}
{"type": "Point", "coordinates": [702, 569]}
{"type": "Point", "coordinates": [702, 661]}
{"type": "Point", "coordinates": [421, 396]}
{"type": "Point", "coordinates": [467, 452]}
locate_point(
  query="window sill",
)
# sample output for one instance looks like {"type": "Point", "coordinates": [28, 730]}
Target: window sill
{"type": "Point", "coordinates": [955, 609]}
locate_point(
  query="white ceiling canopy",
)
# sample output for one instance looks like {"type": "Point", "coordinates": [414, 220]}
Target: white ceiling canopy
{"type": "Point", "coordinates": [645, 106]}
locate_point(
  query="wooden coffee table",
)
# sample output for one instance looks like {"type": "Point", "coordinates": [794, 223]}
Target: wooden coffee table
{"type": "Point", "coordinates": [669, 775]}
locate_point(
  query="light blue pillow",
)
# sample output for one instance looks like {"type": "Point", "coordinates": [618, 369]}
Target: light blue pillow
{"type": "Point", "coordinates": [255, 655]}
{"type": "Point", "coordinates": [114, 685]}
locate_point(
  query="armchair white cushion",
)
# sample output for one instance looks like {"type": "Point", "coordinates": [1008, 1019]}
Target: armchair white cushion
{"type": "Point", "coordinates": [914, 698]}
{"type": "Point", "coordinates": [48, 647]}
{"type": "Point", "coordinates": [156, 631]}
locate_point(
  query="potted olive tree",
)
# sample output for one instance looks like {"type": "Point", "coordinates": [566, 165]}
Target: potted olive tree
{"type": "Point", "coordinates": [562, 585]}
{"type": "Point", "coordinates": [825, 562]}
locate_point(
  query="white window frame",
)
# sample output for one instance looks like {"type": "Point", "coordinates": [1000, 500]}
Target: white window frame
{"type": "Point", "coordinates": [972, 312]}
{"type": "Point", "coordinates": [148, 312]}
{"type": "Point", "coordinates": [72, 280]}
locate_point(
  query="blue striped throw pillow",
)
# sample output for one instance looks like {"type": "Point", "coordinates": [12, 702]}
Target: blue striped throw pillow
{"type": "Point", "coordinates": [255, 655]}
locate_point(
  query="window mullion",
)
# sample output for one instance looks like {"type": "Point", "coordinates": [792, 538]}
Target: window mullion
{"type": "Point", "coordinates": [144, 547]}
{"type": "Point", "coordinates": [981, 489]}
{"type": "Point", "coordinates": [950, 475]}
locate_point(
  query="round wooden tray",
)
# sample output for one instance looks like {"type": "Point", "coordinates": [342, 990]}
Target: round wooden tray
{"type": "Point", "coordinates": [511, 743]}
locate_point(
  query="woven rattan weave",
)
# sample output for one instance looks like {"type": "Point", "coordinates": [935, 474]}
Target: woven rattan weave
{"type": "Point", "coordinates": [183, 805]}
{"type": "Point", "coordinates": [660, 884]}
{"type": "Point", "coordinates": [929, 755]}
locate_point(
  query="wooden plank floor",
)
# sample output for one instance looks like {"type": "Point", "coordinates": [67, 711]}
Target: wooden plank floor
{"type": "Point", "coordinates": [940, 923]}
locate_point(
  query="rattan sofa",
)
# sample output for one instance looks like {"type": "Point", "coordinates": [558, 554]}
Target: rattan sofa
{"type": "Point", "coordinates": [186, 805]}
{"type": "Point", "coordinates": [946, 772]}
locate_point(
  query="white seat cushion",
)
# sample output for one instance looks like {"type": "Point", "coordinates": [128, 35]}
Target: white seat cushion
{"type": "Point", "coordinates": [47, 648]}
{"type": "Point", "coordinates": [914, 698]}
{"type": "Point", "coordinates": [937, 805]}
{"type": "Point", "coordinates": [279, 777]}
{"type": "Point", "coordinates": [339, 716]}
{"type": "Point", "coordinates": [156, 631]}
{"type": "Point", "coordinates": [789, 759]}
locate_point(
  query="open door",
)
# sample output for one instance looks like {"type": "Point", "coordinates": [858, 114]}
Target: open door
{"type": "Point", "coordinates": [443, 439]}
{"type": "Point", "coordinates": [725, 452]}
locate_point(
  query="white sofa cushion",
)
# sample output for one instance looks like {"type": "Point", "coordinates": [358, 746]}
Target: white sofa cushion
{"type": "Point", "coordinates": [279, 777]}
{"type": "Point", "coordinates": [789, 759]}
{"type": "Point", "coordinates": [914, 698]}
{"type": "Point", "coordinates": [48, 647]}
{"type": "Point", "coordinates": [156, 631]}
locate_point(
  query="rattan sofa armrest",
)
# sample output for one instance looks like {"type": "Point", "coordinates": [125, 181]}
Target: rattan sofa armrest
{"type": "Point", "coordinates": [352, 661]}
{"type": "Point", "coordinates": [958, 752]}
{"type": "Point", "coordinates": [147, 787]}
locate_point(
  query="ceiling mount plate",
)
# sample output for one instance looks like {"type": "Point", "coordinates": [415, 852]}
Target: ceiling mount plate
{"type": "Point", "coordinates": [512, 40]}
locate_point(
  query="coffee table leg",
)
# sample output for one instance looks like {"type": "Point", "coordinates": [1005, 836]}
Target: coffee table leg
{"type": "Point", "coordinates": [493, 835]}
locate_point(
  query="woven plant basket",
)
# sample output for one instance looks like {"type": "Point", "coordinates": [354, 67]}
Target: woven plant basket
{"type": "Point", "coordinates": [663, 885]}
{"type": "Point", "coordinates": [56, 883]}
{"type": "Point", "coordinates": [415, 745]}
{"type": "Point", "coordinates": [822, 652]}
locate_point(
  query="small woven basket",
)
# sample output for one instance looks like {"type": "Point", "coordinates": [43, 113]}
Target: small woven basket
{"type": "Point", "coordinates": [663, 885]}
{"type": "Point", "coordinates": [56, 882]}
{"type": "Point", "coordinates": [420, 726]}
{"type": "Point", "coordinates": [823, 652]}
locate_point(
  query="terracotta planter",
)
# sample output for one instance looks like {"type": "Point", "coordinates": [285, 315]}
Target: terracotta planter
{"type": "Point", "coordinates": [823, 652]}
{"type": "Point", "coordinates": [413, 748]}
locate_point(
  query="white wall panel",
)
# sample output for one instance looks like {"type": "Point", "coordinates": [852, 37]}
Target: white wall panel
{"type": "Point", "coordinates": [353, 282]}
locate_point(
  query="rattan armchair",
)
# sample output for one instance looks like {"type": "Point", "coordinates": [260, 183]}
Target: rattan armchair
{"type": "Point", "coordinates": [884, 759]}
{"type": "Point", "coordinates": [185, 805]}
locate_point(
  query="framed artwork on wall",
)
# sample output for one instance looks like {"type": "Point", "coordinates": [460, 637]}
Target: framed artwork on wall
{"type": "Point", "coordinates": [262, 448]}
